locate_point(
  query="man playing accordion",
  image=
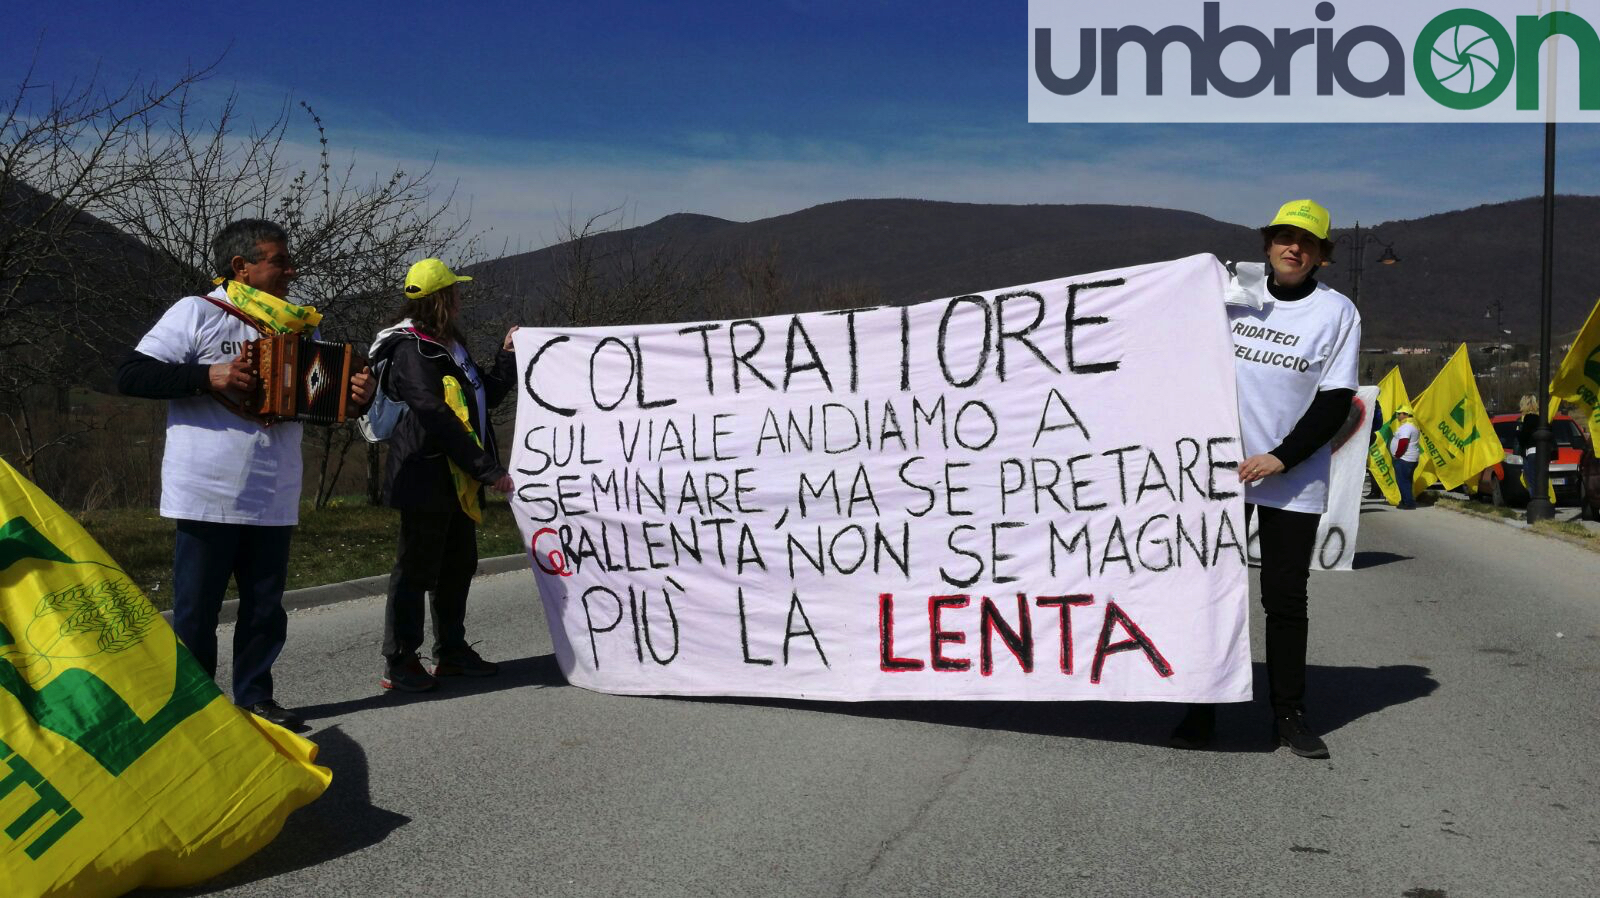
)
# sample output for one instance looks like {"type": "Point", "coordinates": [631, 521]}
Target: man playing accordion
{"type": "Point", "coordinates": [231, 483]}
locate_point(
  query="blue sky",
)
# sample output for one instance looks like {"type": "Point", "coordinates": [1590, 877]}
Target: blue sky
{"type": "Point", "coordinates": [537, 111]}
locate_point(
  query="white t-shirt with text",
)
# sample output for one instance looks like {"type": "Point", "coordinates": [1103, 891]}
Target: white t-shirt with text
{"type": "Point", "coordinates": [1285, 352]}
{"type": "Point", "coordinates": [218, 466]}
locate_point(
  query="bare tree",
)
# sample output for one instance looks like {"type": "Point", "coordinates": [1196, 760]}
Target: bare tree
{"type": "Point", "coordinates": [762, 287]}
{"type": "Point", "coordinates": [65, 152]}
{"type": "Point", "coordinates": [601, 275]}
{"type": "Point", "coordinates": [109, 199]}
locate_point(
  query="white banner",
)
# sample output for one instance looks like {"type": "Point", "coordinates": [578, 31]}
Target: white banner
{"type": "Point", "coordinates": [1347, 482]}
{"type": "Point", "coordinates": [1028, 493]}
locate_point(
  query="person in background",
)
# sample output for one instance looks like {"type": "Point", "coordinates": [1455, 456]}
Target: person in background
{"type": "Point", "coordinates": [1406, 447]}
{"type": "Point", "coordinates": [1293, 398]}
{"type": "Point", "coordinates": [1528, 406]}
{"type": "Point", "coordinates": [441, 455]}
{"type": "Point", "coordinates": [1527, 446]}
{"type": "Point", "coordinates": [231, 483]}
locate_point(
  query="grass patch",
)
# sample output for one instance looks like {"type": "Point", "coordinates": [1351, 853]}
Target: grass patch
{"type": "Point", "coordinates": [345, 541]}
{"type": "Point", "coordinates": [1566, 531]}
{"type": "Point", "coordinates": [1570, 532]}
{"type": "Point", "coordinates": [1484, 509]}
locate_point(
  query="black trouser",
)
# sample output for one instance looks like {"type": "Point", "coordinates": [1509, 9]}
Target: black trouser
{"type": "Point", "coordinates": [438, 553]}
{"type": "Point", "coordinates": [1288, 539]}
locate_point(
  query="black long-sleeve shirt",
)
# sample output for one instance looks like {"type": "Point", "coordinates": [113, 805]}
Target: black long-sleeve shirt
{"type": "Point", "coordinates": [148, 378]}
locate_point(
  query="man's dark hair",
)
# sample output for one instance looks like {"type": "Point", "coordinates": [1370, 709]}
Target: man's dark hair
{"type": "Point", "coordinates": [243, 238]}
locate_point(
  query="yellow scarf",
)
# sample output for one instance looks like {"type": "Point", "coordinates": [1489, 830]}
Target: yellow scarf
{"type": "Point", "coordinates": [466, 487]}
{"type": "Point", "coordinates": [269, 312]}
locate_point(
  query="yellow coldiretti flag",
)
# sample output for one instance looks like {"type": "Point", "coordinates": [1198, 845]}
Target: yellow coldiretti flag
{"type": "Point", "coordinates": [467, 487]}
{"type": "Point", "coordinates": [1391, 397]}
{"type": "Point", "coordinates": [1578, 378]}
{"type": "Point", "coordinates": [1458, 440]}
{"type": "Point", "coordinates": [121, 763]}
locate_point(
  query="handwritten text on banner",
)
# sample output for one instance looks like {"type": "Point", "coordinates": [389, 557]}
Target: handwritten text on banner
{"type": "Point", "coordinates": [1027, 493]}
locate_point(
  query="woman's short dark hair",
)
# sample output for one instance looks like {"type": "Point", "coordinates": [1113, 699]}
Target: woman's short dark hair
{"type": "Point", "coordinates": [243, 238]}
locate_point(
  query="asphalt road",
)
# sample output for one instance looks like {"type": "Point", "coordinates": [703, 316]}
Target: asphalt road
{"type": "Point", "coordinates": [1456, 674]}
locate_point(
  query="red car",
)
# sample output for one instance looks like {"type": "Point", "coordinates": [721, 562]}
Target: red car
{"type": "Point", "coordinates": [1574, 472]}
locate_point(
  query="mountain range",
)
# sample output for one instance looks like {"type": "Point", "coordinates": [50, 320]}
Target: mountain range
{"type": "Point", "coordinates": [1472, 274]}
{"type": "Point", "coordinates": [1452, 267]}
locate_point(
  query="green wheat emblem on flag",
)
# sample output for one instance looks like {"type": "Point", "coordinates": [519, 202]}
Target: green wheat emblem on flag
{"type": "Point", "coordinates": [80, 621]}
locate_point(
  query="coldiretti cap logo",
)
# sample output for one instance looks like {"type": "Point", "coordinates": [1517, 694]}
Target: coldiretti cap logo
{"type": "Point", "coordinates": [1304, 214]}
{"type": "Point", "coordinates": [1254, 60]}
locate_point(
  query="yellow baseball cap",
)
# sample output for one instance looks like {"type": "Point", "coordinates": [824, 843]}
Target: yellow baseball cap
{"type": "Point", "coordinates": [1304, 214]}
{"type": "Point", "coordinates": [430, 276]}
{"type": "Point", "coordinates": [1405, 410]}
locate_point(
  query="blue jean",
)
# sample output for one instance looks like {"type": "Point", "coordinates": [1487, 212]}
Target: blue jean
{"type": "Point", "coordinates": [1404, 471]}
{"type": "Point", "coordinates": [257, 558]}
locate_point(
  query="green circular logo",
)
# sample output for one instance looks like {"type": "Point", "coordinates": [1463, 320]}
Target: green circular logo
{"type": "Point", "coordinates": [1464, 59]}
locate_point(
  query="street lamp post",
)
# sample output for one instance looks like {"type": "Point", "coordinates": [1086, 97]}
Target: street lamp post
{"type": "Point", "coordinates": [1538, 473]}
{"type": "Point", "coordinates": [1358, 243]}
{"type": "Point", "coordinates": [1496, 310]}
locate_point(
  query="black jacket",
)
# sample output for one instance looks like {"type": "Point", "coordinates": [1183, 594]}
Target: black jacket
{"type": "Point", "coordinates": [430, 435]}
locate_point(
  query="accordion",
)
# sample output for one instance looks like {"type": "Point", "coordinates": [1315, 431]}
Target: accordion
{"type": "Point", "coordinates": [301, 379]}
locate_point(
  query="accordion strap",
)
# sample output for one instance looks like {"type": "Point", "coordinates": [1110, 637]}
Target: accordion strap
{"type": "Point", "coordinates": [234, 311]}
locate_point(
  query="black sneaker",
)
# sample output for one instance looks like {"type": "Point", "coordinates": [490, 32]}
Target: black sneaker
{"type": "Point", "coordinates": [407, 674]}
{"type": "Point", "coordinates": [1290, 728]}
{"type": "Point", "coordinates": [1194, 731]}
{"type": "Point", "coordinates": [273, 712]}
{"type": "Point", "coordinates": [464, 663]}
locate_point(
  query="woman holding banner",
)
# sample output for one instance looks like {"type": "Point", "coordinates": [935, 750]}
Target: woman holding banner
{"type": "Point", "coordinates": [441, 455]}
{"type": "Point", "coordinates": [1296, 343]}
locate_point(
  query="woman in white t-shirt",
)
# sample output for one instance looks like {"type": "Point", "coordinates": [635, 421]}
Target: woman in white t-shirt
{"type": "Point", "coordinates": [1295, 351]}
